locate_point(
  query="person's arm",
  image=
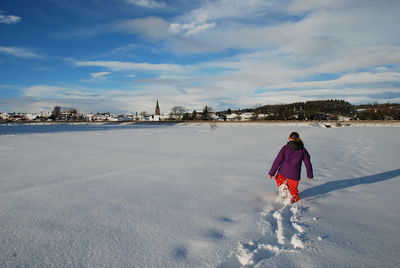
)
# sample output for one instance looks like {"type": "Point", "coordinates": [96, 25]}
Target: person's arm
{"type": "Point", "coordinates": [307, 163]}
{"type": "Point", "coordinates": [277, 163]}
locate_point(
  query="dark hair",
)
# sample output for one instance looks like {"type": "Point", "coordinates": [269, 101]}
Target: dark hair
{"type": "Point", "coordinates": [294, 135]}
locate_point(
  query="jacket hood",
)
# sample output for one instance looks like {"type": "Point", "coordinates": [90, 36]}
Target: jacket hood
{"type": "Point", "coordinates": [295, 145]}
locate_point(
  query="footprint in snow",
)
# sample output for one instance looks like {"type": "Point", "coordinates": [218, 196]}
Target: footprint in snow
{"type": "Point", "coordinates": [281, 231]}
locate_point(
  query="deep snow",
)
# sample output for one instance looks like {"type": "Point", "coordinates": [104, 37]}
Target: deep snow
{"type": "Point", "coordinates": [185, 196]}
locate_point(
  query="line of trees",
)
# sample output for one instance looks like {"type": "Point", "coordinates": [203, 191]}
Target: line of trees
{"type": "Point", "coordinates": [310, 110]}
{"type": "Point", "coordinates": [328, 110]}
{"type": "Point", "coordinates": [385, 111]}
{"type": "Point", "coordinates": [206, 114]}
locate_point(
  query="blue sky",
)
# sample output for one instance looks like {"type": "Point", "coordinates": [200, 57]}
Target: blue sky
{"type": "Point", "coordinates": [123, 55]}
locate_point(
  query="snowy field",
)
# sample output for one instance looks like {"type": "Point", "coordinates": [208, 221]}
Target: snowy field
{"type": "Point", "coordinates": [185, 196]}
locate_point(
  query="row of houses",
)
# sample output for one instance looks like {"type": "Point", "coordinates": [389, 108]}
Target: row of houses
{"type": "Point", "coordinates": [48, 117]}
{"type": "Point", "coordinates": [23, 116]}
{"type": "Point", "coordinates": [71, 114]}
{"type": "Point", "coordinates": [108, 117]}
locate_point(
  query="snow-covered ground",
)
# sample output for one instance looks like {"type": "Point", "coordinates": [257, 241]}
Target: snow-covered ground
{"type": "Point", "coordinates": [185, 196]}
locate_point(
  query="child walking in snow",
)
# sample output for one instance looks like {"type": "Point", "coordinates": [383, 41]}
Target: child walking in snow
{"type": "Point", "coordinates": [288, 165]}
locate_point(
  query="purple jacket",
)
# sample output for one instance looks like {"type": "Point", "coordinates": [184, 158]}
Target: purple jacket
{"type": "Point", "coordinates": [288, 161]}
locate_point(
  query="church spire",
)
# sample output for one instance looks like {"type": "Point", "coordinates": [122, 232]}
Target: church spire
{"type": "Point", "coordinates": [157, 109]}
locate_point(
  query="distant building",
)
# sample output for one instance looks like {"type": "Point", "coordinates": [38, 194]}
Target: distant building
{"type": "Point", "coordinates": [4, 116]}
{"type": "Point", "coordinates": [29, 117]}
{"type": "Point", "coordinates": [344, 118]}
{"type": "Point", "coordinates": [64, 113]}
{"type": "Point", "coordinates": [157, 115]}
{"type": "Point", "coordinates": [157, 109]}
{"type": "Point", "coordinates": [246, 116]}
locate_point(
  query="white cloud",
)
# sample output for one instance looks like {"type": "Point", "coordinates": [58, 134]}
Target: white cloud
{"type": "Point", "coordinates": [9, 19]}
{"type": "Point", "coordinates": [353, 39]}
{"type": "Point", "coordinates": [361, 57]}
{"type": "Point", "coordinates": [97, 77]}
{"type": "Point", "coordinates": [131, 66]}
{"type": "Point", "coordinates": [317, 35]}
{"type": "Point", "coordinates": [348, 81]}
{"type": "Point", "coordinates": [369, 77]}
{"type": "Point", "coordinates": [296, 6]}
{"type": "Point", "coordinates": [46, 91]}
{"type": "Point", "coordinates": [19, 52]}
{"type": "Point", "coordinates": [192, 28]}
{"type": "Point", "coordinates": [99, 74]}
{"type": "Point", "coordinates": [206, 16]}
{"type": "Point", "coordinates": [147, 3]}
{"type": "Point", "coordinates": [227, 9]}
{"type": "Point", "coordinates": [201, 20]}
{"type": "Point", "coordinates": [152, 27]}
{"type": "Point", "coordinates": [43, 90]}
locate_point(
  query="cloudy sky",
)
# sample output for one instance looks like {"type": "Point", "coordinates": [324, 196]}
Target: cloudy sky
{"type": "Point", "coordinates": [123, 55]}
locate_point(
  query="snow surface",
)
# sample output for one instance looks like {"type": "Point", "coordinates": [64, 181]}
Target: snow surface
{"type": "Point", "coordinates": [185, 196]}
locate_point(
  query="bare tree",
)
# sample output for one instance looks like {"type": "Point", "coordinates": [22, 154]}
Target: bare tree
{"type": "Point", "coordinates": [256, 111]}
{"type": "Point", "coordinates": [56, 111]}
{"type": "Point", "coordinates": [178, 111]}
{"type": "Point", "coordinates": [206, 115]}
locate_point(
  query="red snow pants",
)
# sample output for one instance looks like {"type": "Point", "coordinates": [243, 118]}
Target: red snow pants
{"type": "Point", "coordinates": [291, 184]}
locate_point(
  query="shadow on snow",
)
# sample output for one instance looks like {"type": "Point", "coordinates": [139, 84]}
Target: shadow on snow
{"type": "Point", "coordinates": [342, 184]}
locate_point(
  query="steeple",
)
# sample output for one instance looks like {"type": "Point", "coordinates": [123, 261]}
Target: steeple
{"type": "Point", "coordinates": [157, 109]}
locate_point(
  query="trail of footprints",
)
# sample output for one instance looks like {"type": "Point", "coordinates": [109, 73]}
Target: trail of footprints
{"type": "Point", "coordinates": [281, 231]}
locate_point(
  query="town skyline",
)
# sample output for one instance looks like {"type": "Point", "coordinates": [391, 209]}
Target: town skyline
{"type": "Point", "coordinates": [316, 110]}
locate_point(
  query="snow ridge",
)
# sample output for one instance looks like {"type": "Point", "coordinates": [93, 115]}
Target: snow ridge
{"type": "Point", "coordinates": [281, 231]}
